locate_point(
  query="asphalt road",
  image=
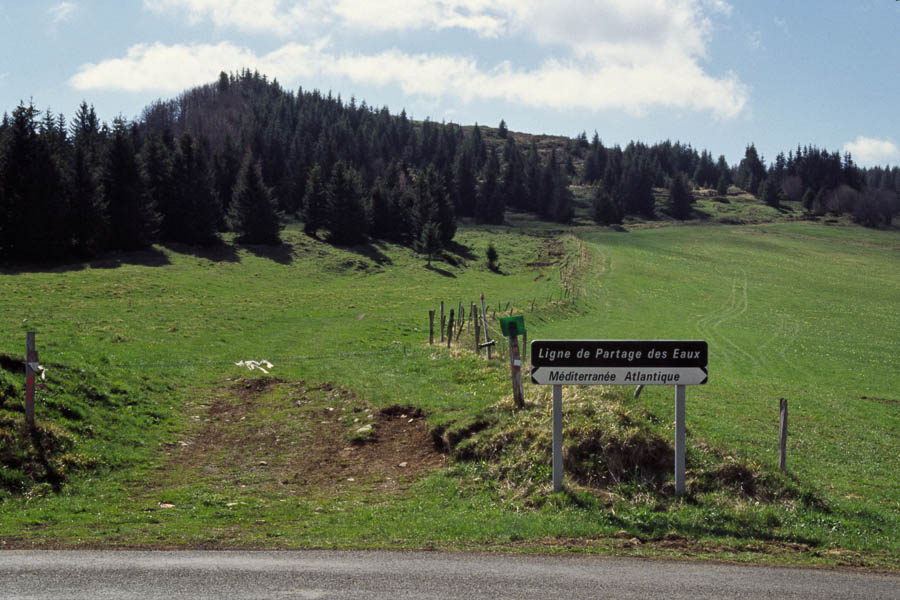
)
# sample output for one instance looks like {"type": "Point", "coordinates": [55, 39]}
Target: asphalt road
{"type": "Point", "coordinates": [391, 575]}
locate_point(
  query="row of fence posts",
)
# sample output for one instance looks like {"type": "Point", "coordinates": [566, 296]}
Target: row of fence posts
{"type": "Point", "coordinates": [453, 324]}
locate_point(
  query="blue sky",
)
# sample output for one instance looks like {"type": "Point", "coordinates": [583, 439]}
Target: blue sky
{"type": "Point", "coordinates": [717, 74]}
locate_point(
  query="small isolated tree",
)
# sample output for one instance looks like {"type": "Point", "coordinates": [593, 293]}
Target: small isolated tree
{"type": "Point", "coordinates": [492, 257]}
{"type": "Point", "coordinates": [429, 241]}
{"type": "Point", "coordinates": [254, 215]}
{"type": "Point", "coordinates": [680, 198]}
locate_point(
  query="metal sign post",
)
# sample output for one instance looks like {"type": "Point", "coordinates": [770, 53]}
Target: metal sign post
{"type": "Point", "coordinates": [31, 365]}
{"type": "Point", "coordinates": [620, 362]}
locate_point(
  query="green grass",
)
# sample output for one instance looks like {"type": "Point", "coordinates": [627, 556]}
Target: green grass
{"type": "Point", "coordinates": [798, 310]}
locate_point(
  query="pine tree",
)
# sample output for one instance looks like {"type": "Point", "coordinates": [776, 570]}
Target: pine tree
{"type": "Point", "coordinates": [254, 215]}
{"type": "Point", "coordinates": [131, 221]}
{"type": "Point", "coordinates": [770, 193]}
{"type": "Point", "coordinates": [194, 214]}
{"type": "Point", "coordinates": [88, 223]}
{"type": "Point", "coordinates": [431, 182]}
{"type": "Point", "coordinates": [680, 198]}
{"type": "Point", "coordinates": [315, 201]}
{"type": "Point", "coordinates": [429, 240]}
{"type": "Point", "coordinates": [347, 218]}
{"type": "Point", "coordinates": [33, 213]}
{"type": "Point", "coordinates": [156, 174]}
{"type": "Point", "coordinates": [382, 211]}
{"type": "Point", "coordinates": [464, 182]}
{"type": "Point", "coordinates": [604, 208]}
{"type": "Point", "coordinates": [635, 192]}
{"type": "Point", "coordinates": [722, 185]}
{"type": "Point", "coordinates": [489, 205]}
{"type": "Point", "coordinates": [751, 171]}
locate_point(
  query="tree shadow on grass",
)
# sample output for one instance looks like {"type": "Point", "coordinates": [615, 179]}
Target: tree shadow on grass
{"type": "Point", "coordinates": [150, 257]}
{"type": "Point", "coordinates": [440, 271]}
{"type": "Point", "coordinates": [282, 253]}
{"type": "Point", "coordinates": [373, 251]}
{"type": "Point", "coordinates": [219, 251]}
{"type": "Point", "coordinates": [460, 251]}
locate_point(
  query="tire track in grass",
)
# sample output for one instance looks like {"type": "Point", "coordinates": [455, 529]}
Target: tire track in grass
{"type": "Point", "coordinates": [786, 333]}
{"type": "Point", "coordinates": [710, 327]}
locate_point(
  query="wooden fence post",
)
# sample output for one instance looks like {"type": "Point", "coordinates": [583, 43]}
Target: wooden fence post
{"type": "Point", "coordinates": [782, 447]}
{"type": "Point", "coordinates": [431, 327]}
{"type": "Point", "coordinates": [31, 361]}
{"type": "Point", "coordinates": [450, 330]}
{"type": "Point", "coordinates": [487, 335]}
{"type": "Point", "coordinates": [443, 320]}
{"type": "Point", "coordinates": [477, 338]}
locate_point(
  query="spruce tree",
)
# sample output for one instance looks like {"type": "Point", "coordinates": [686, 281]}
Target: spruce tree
{"type": "Point", "coordinates": [604, 208]}
{"type": "Point", "coordinates": [382, 211]}
{"type": "Point", "coordinates": [489, 205]}
{"type": "Point", "coordinates": [770, 192]}
{"type": "Point", "coordinates": [429, 240]}
{"type": "Point", "coordinates": [131, 220]}
{"type": "Point", "coordinates": [513, 186]}
{"type": "Point", "coordinates": [156, 174]}
{"type": "Point", "coordinates": [315, 201]}
{"type": "Point", "coordinates": [253, 214]}
{"type": "Point", "coordinates": [88, 223]}
{"type": "Point", "coordinates": [722, 185]}
{"type": "Point", "coordinates": [347, 219]}
{"type": "Point", "coordinates": [680, 198]}
{"type": "Point", "coordinates": [464, 182]}
{"type": "Point", "coordinates": [34, 210]}
{"type": "Point", "coordinates": [194, 215]}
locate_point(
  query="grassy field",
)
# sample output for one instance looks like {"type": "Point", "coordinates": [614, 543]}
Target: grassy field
{"type": "Point", "coordinates": [172, 453]}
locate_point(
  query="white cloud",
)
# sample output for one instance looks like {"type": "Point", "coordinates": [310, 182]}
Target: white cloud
{"type": "Point", "coordinates": [255, 16]}
{"type": "Point", "coordinates": [869, 152]}
{"type": "Point", "coordinates": [62, 12]}
{"type": "Point", "coordinates": [631, 55]}
{"type": "Point", "coordinates": [161, 68]}
{"type": "Point", "coordinates": [554, 84]}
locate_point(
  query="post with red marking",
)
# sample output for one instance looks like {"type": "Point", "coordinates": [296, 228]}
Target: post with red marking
{"type": "Point", "coordinates": [31, 361]}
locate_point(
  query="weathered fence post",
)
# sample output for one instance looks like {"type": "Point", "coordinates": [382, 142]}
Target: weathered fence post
{"type": "Point", "coordinates": [450, 330]}
{"type": "Point", "coordinates": [443, 320]}
{"type": "Point", "coordinates": [431, 327]}
{"type": "Point", "coordinates": [782, 447]}
{"type": "Point", "coordinates": [31, 363]}
{"type": "Point", "coordinates": [477, 337]}
{"type": "Point", "coordinates": [487, 335]}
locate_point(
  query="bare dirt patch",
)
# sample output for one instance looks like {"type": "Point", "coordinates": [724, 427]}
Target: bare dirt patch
{"type": "Point", "coordinates": [298, 438]}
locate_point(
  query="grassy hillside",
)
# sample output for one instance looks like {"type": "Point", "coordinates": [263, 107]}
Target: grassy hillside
{"type": "Point", "coordinates": [183, 447]}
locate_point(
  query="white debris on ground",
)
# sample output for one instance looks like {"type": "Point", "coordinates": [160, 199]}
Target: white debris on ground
{"type": "Point", "coordinates": [262, 365]}
{"type": "Point", "coordinates": [38, 369]}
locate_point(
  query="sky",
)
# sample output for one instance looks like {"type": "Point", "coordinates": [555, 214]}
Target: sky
{"type": "Point", "coordinates": [716, 74]}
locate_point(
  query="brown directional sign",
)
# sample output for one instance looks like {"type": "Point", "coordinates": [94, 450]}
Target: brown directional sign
{"type": "Point", "coordinates": [619, 362]}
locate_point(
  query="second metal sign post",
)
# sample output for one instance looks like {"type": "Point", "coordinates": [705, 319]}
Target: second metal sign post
{"type": "Point", "coordinates": [619, 362]}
